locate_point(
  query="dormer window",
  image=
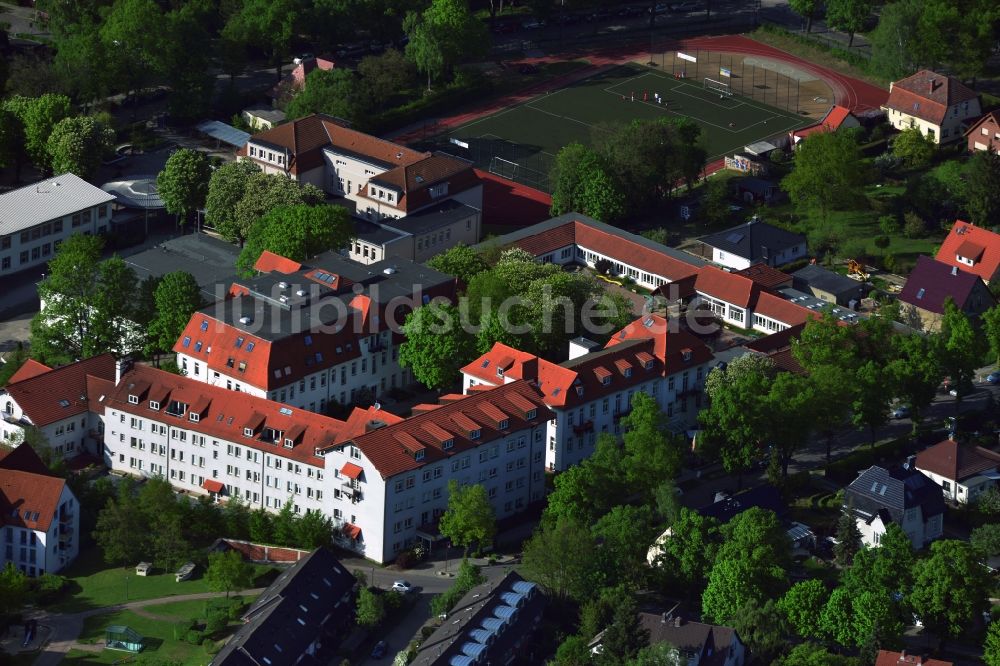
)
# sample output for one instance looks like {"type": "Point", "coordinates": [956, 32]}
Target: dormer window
{"type": "Point", "coordinates": [447, 444]}
{"type": "Point", "coordinates": [606, 381]}
{"type": "Point", "coordinates": [153, 405]}
{"type": "Point", "coordinates": [475, 434]}
{"type": "Point", "coordinates": [418, 455]}
{"type": "Point", "coordinates": [133, 400]}
{"type": "Point", "coordinates": [499, 371]}
{"type": "Point", "coordinates": [289, 443]}
{"type": "Point", "coordinates": [504, 424]}
{"type": "Point", "coordinates": [248, 432]}
{"type": "Point", "coordinates": [194, 416]}
{"type": "Point", "coordinates": [649, 365]}
{"type": "Point", "coordinates": [532, 413]}
{"type": "Point", "coordinates": [579, 390]}
{"type": "Point", "coordinates": [628, 372]}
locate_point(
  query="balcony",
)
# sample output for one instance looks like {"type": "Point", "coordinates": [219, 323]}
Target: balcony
{"type": "Point", "coordinates": [582, 428]}
{"type": "Point", "coordinates": [352, 493]}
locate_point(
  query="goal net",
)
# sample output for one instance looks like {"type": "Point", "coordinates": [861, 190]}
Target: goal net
{"type": "Point", "coordinates": [504, 168]}
{"type": "Point", "coordinates": [718, 87]}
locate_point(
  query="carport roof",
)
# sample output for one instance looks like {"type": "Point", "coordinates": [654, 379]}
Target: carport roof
{"type": "Point", "coordinates": [224, 133]}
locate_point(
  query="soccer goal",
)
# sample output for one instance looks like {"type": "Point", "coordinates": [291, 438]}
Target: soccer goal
{"type": "Point", "coordinates": [718, 87]}
{"type": "Point", "coordinates": [504, 168]}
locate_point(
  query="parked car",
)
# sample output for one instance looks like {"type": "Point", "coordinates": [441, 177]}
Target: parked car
{"type": "Point", "coordinates": [402, 586]}
{"type": "Point", "coordinates": [993, 377]}
{"type": "Point", "coordinates": [533, 24]}
{"type": "Point", "coordinates": [901, 412]}
{"type": "Point", "coordinates": [379, 650]}
{"type": "Point", "coordinates": [689, 6]}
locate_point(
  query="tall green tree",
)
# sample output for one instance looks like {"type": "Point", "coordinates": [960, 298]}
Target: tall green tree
{"type": "Point", "coordinates": [958, 347]}
{"type": "Point", "coordinates": [982, 178]}
{"type": "Point", "coordinates": [806, 9]}
{"type": "Point", "coordinates": [469, 519]}
{"type": "Point", "coordinates": [827, 173]}
{"type": "Point", "coordinates": [335, 92]}
{"type": "Point", "coordinates": [436, 347]}
{"type": "Point", "coordinates": [266, 192]}
{"type": "Point", "coordinates": [561, 556]}
{"type": "Point", "coordinates": [296, 232]}
{"type": "Point", "coordinates": [461, 261]}
{"type": "Point", "coordinates": [991, 330]}
{"type": "Point", "coordinates": [848, 15]}
{"type": "Point", "coordinates": [689, 552]}
{"type": "Point", "coordinates": [38, 116]}
{"type": "Point", "coordinates": [78, 144]}
{"type": "Point", "coordinates": [183, 58]}
{"type": "Point", "coordinates": [227, 572]}
{"type": "Point", "coordinates": [588, 490]}
{"type": "Point", "coordinates": [227, 187]}
{"type": "Point", "coordinates": [370, 608]}
{"type": "Point", "coordinates": [183, 182]}
{"type": "Point", "coordinates": [651, 453]}
{"type": "Point", "coordinates": [582, 182]}
{"type": "Point", "coordinates": [790, 405]}
{"type": "Point", "coordinates": [125, 33]}
{"type": "Point", "coordinates": [121, 530]}
{"type": "Point", "coordinates": [267, 24]}
{"type": "Point", "coordinates": [800, 606]}
{"type": "Point", "coordinates": [950, 587]}
{"type": "Point", "coordinates": [313, 529]}
{"type": "Point", "coordinates": [914, 374]}
{"type": "Point", "coordinates": [912, 148]}
{"type": "Point", "coordinates": [624, 535]}
{"type": "Point", "coordinates": [848, 538]}
{"type": "Point", "coordinates": [625, 636]}
{"type": "Point", "coordinates": [991, 648]}
{"type": "Point", "coordinates": [444, 35]}
{"type": "Point", "coordinates": [381, 77]}
{"type": "Point", "coordinates": [895, 41]}
{"type": "Point", "coordinates": [763, 628]}
{"type": "Point", "coordinates": [177, 298]}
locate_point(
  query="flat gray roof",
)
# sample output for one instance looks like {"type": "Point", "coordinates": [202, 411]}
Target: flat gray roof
{"type": "Point", "coordinates": [47, 200]}
{"type": "Point", "coordinates": [224, 133]}
{"type": "Point", "coordinates": [209, 260]}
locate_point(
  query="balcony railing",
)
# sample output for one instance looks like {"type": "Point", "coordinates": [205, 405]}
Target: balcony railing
{"type": "Point", "coordinates": [585, 427]}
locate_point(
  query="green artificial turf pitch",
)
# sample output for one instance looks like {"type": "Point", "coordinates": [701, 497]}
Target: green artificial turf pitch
{"type": "Point", "coordinates": [530, 134]}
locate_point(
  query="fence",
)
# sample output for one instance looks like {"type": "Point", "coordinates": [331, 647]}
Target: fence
{"type": "Point", "coordinates": [523, 164]}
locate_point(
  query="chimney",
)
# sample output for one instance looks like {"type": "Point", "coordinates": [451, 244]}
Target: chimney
{"type": "Point", "coordinates": [374, 424]}
{"type": "Point", "coordinates": [911, 461]}
{"type": "Point", "coordinates": [122, 366]}
{"type": "Point", "coordinates": [930, 86]}
{"type": "Point", "coordinates": [954, 270]}
{"type": "Point", "coordinates": [529, 369]}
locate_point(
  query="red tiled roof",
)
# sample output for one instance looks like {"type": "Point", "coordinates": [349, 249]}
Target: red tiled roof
{"type": "Point", "coordinates": [212, 486]}
{"type": "Point", "coordinates": [228, 412]}
{"type": "Point", "coordinates": [887, 658]}
{"type": "Point", "coordinates": [728, 287]}
{"type": "Point", "coordinates": [508, 203]}
{"type": "Point", "coordinates": [668, 345]}
{"type": "Point", "coordinates": [30, 368]}
{"type": "Point", "coordinates": [780, 309]}
{"type": "Point", "coordinates": [766, 277]}
{"type": "Point", "coordinates": [955, 461]}
{"type": "Point", "coordinates": [412, 181]}
{"type": "Point", "coordinates": [836, 116]}
{"type": "Point", "coordinates": [351, 471]}
{"type": "Point", "coordinates": [61, 393]}
{"type": "Point", "coordinates": [352, 532]}
{"type": "Point", "coordinates": [29, 492]}
{"type": "Point", "coordinates": [270, 262]}
{"type": "Point", "coordinates": [550, 241]}
{"type": "Point", "coordinates": [980, 245]}
{"type": "Point", "coordinates": [928, 95]}
{"type": "Point", "coordinates": [382, 448]}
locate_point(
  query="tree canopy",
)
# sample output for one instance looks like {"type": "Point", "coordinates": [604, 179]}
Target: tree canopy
{"type": "Point", "coordinates": [826, 174]}
{"type": "Point", "coordinates": [469, 519]}
{"type": "Point", "coordinates": [296, 232]}
{"type": "Point", "coordinates": [177, 297]}
{"type": "Point", "coordinates": [183, 182]}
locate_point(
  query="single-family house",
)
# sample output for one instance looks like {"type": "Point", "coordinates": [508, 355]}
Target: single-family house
{"type": "Point", "coordinates": [295, 80]}
{"type": "Point", "coordinates": [931, 283]}
{"type": "Point", "coordinates": [939, 106]}
{"type": "Point", "coordinates": [758, 190]}
{"type": "Point", "coordinates": [901, 495]}
{"type": "Point", "coordinates": [300, 618]}
{"type": "Point", "coordinates": [962, 471]}
{"type": "Point", "coordinates": [39, 514]}
{"type": "Point", "coordinates": [984, 134]}
{"type": "Point", "coordinates": [260, 117]}
{"type": "Point", "coordinates": [837, 117]}
{"type": "Point", "coordinates": [754, 242]}
{"type": "Point", "coordinates": [829, 286]}
{"type": "Point", "coordinates": [972, 249]}
{"type": "Point", "coordinates": [697, 643]}
{"type": "Point", "coordinates": [904, 658]}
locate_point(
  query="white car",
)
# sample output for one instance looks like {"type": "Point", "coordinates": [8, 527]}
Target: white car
{"type": "Point", "coordinates": [402, 586]}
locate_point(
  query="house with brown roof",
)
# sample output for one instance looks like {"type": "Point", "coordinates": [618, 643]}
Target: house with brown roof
{"type": "Point", "coordinates": [39, 513]}
{"type": "Point", "coordinates": [939, 106]}
{"type": "Point", "coordinates": [904, 658]}
{"type": "Point", "coordinates": [973, 249]}
{"type": "Point", "coordinates": [931, 283]}
{"type": "Point", "coordinates": [295, 81]}
{"type": "Point", "coordinates": [57, 403]}
{"type": "Point", "coordinates": [984, 134]}
{"type": "Point", "coordinates": [962, 471]}
{"type": "Point", "coordinates": [409, 204]}
{"type": "Point", "coordinates": [388, 487]}
{"type": "Point", "coordinates": [591, 392]}
{"type": "Point", "coordinates": [835, 118]}
{"type": "Point", "coordinates": [696, 643]}
{"type": "Point", "coordinates": [740, 301]}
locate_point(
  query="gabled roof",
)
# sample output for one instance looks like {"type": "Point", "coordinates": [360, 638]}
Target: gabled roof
{"type": "Point", "coordinates": [991, 118]}
{"type": "Point", "coordinates": [49, 199]}
{"type": "Point", "coordinates": [928, 95]}
{"type": "Point", "coordinates": [766, 277]}
{"type": "Point", "coordinates": [725, 286]}
{"type": "Point", "coordinates": [764, 496]}
{"type": "Point", "coordinates": [61, 393]}
{"type": "Point", "coordinates": [413, 181]}
{"type": "Point", "coordinates": [710, 642]}
{"type": "Point", "coordinates": [461, 418]}
{"type": "Point", "coordinates": [932, 282]}
{"type": "Point", "coordinates": [894, 490]}
{"type": "Point", "coordinates": [676, 348]}
{"type": "Point", "coordinates": [750, 240]}
{"type": "Point", "coordinates": [980, 245]}
{"type": "Point", "coordinates": [30, 368]}
{"type": "Point", "coordinates": [311, 600]}
{"type": "Point", "coordinates": [29, 492]}
{"type": "Point", "coordinates": [888, 658]}
{"type": "Point", "coordinates": [955, 461]}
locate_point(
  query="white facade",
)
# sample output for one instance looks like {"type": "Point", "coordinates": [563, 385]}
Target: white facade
{"type": "Point", "coordinates": [964, 491]}
{"type": "Point", "coordinates": [389, 511]}
{"type": "Point", "coordinates": [737, 263]}
{"type": "Point", "coordinates": [145, 447]}
{"type": "Point", "coordinates": [950, 129]}
{"type": "Point", "coordinates": [36, 552]}
{"type": "Point", "coordinates": [376, 370]}
{"type": "Point", "coordinates": [919, 531]}
{"type": "Point", "coordinates": [590, 257]}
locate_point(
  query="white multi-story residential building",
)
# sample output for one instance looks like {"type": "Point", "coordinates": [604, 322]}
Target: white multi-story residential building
{"type": "Point", "coordinates": [40, 530]}
{"type": "Point", "coordinates": [206, 440]}
{"type": "Point", "coordinates": [411, 204]}
{"type": "Point", "coordinates": [577, 239]}
{"type": "Point", "coordinates": [57, 402]}
{"type": "Point", "coordinates": [387, 488]}
{"type": "Point", "coordinates": [592, 391]}
{"type": "Point", "coordinates": [310, 336]}
{"type": "Point", "coordinates": [36, 218]}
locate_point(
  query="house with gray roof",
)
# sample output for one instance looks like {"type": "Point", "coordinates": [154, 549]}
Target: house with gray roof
{"type": "Point", "coordinates": [300, 618]}
{"type": "Point", "coordinates": [36, 218]}
{"type": "Point", "coordinates": [828, 286]}
{"type": "Point", "coordinates": [754, 242]}
{"type": "Point", "coordinates": [901, 495]}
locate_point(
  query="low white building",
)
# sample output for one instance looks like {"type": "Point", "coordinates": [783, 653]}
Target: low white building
{"type": "Point", "coordinates": [963, 472]}
{"type": "Point", "coordinates": [40, 530]}
{"type": "Point", "coordinates": [58, 403]}
{"type": "Point", "coordinates": [36, 218]}
{"type": "Point", "coordinates": [387, 488]}
{"type": "Point", "coordinates": [207, 440]}
{"type": "Point", "coordinates": [754, 242]}
{"type": "Point", "coordinates": [739, 301]}
{"type": "Point", "coordinates": [900, 495]}
{"type": "Point", "coordinates": [591, 392]}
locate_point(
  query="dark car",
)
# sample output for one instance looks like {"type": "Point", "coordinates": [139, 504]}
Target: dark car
{"type": "Point", "coordinates": [527, 68]}
{"type": "Point", "coordinates": [993, 377]}
{"type": "Point", "coordinates": [379, 650]}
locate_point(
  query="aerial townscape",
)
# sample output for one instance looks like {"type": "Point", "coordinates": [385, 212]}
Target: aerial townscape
{"type": "Point", "coordinates": [485, 333]}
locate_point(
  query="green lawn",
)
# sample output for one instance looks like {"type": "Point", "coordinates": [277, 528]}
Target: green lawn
{"type": "Point", "coordinates": [530, 134]}
{"type": "Point", "coordinates": [94, 584]}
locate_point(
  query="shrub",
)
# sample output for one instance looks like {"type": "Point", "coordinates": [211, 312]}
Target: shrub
{"type": "Point", "coordinates": [778, 156]}
{"type": "Point", "coordinates": [181, 629]}
{"type": "Point", "coordinates": [426, 631]}
{"type": "Point", "coordinates": [889, 262]}
{"type": "Point", "coordinates": [888, 224]}
{"type": "Point", "coordinates": [913, 225]}
{"type": "Point", "coordinates": [194, 637]}
{"type": "Point", "coordinates": [406, 559]}
{"type": "Point", "coordinates": [881, 242]}
{"type": "Point", "coordinates": [217, 622]}
{"type": "Point", "coordinates": [885, 162]}
{"type": "Point", "coordinates": [603, 266]}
